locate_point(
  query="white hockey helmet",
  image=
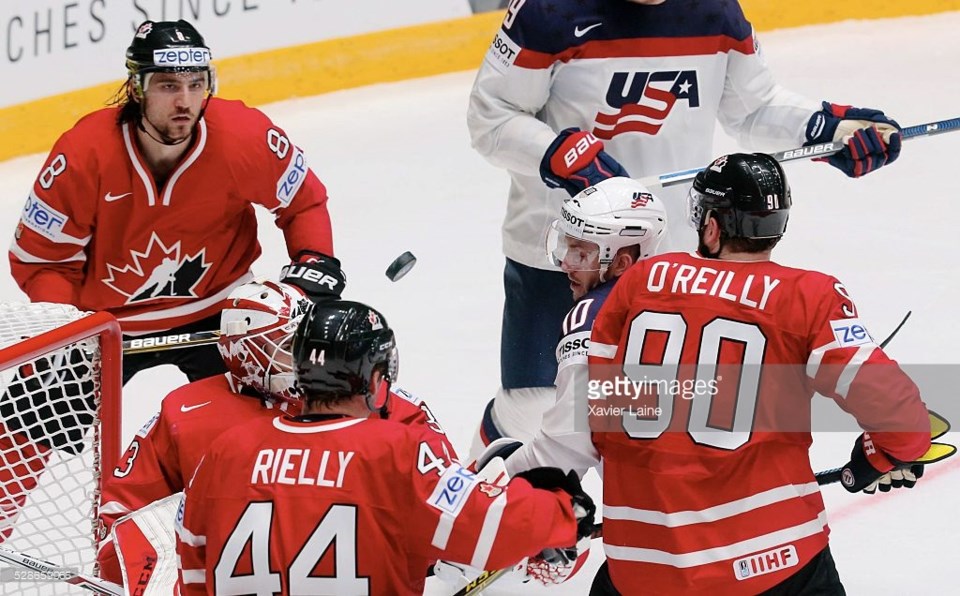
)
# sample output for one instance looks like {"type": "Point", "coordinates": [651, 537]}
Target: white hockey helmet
{"type": "Point", "coordinates": [256, 337]}
{"type": "Point", "coordinates": [613, 214]}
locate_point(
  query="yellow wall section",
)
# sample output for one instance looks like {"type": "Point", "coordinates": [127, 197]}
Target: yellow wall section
{"type": "Point", "coordinates": [778, 14]}
{"type": "Point", "coordinates": [386, 56]}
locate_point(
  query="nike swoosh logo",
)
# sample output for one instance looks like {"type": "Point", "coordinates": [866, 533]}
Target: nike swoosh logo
{"type": "Point", "coordinates": [581, 32]}
{"type": "Point", "coordinates": [189, 408]}
{"type": "Point", "coordinates": [111, 198]}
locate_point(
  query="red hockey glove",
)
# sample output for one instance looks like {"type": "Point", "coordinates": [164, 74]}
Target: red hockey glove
{"type": "Point", "coordinates": [871, 139]}
{"type": "Point", "coordinates": [576, 160]}
{"type": "Point", "coordinates": [318, 275]}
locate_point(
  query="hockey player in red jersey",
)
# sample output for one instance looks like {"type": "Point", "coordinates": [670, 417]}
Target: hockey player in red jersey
{"type": "Point", "coordinates": [146, 210]}
{"type": "Point", "coordinates": [257, 331]}
{"type": "Point", "coordinates": [335, 502]}
{"type": "Point", "coordinates": [575, 91]}
{"type": "Point", "coordinates": [702, 370]}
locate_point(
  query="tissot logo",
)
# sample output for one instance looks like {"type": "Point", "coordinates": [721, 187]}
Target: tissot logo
{"type": "Point", "coordinates": [649, 95]}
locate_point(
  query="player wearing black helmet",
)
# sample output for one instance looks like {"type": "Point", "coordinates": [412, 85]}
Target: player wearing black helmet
{"type": "Point", "coordinates": [369, 501]}
{"type": "Point", "coordinates": [749, 197]}
{"type": "Point", "coordinates": [725, 350]}
{"type": "Point", "coordinates": [145, 210]}
{"type": "Point", "coordinates": [344, 349]}
{"type": "Point", "coordinates": [256, 342]}
{"type": "Point", "coordinates": [170, 55]}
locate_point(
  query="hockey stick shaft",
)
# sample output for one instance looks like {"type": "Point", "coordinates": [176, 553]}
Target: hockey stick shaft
{"type": "Point", "coordinates": [49, 572]}
{"type": "Point", "coordinates": [175, 341]}
{"type": "Point", "coordinates": [893, 333]}
{"type": "Point", "coordinates": [808, 152]}
{"type": "Point", "coordinates": [830, 476]}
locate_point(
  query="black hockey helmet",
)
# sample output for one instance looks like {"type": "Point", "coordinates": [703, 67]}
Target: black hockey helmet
{"type": "Point", "coordinates": [167, 46]}
{"type": "Point", "coordinates": [748, 193]}
{"type": "Point", "coordinates": [338, 345]}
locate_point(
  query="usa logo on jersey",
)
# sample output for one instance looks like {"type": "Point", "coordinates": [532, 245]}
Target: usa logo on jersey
{"type": "Point", "coordinates": [641, 101]}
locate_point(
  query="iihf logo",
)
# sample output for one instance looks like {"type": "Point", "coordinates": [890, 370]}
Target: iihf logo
{"type": "Point", "coordinates": [643, 100]}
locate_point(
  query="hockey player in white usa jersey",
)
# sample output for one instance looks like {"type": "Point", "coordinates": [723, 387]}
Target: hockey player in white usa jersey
{"type": "Point", "coordinates": [602, 232]}
{"type": "Point", "coordinates": [575, 91]}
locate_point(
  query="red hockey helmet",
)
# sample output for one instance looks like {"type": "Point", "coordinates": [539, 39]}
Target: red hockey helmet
{"type": "Point", "coordinates": [256, 337]}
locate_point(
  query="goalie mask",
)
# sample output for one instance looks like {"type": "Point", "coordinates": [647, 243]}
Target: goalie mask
{"type": "Point", "coordinates": [613, 214]}
{"type": "Point", "coordinates": [337, 348]}
{"type": "Point", "coordinates": [256, 335]}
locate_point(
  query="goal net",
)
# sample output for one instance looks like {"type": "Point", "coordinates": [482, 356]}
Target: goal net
{"type": "Point", "coordinates": [59, 420]}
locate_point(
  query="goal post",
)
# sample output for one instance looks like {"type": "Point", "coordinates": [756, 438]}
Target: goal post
{"type": "Point", "coordinates": [60, 417]}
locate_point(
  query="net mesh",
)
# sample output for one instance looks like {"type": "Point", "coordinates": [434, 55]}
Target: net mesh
{"type": "Point", "coordinates": [49, 446]}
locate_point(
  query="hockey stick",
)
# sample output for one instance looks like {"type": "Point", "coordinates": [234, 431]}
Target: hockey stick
{"type": "Point", "coordinates": [155, 343]}
{"type": "Point", "coordinates": [40, 570]}
{"type": "Point", "coordinates": [808, 152]}
{"type": "Point", "coordinates": [482, 582]}
{"type": "Point", "coordinates": [893, 333]}
{"type": "Point", "coordinates": [939, 426]}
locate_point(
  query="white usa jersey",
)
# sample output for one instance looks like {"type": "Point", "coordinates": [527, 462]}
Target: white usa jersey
{"type": "Point", "coordinates": [564, 440]}
{"type": "Point", "coordinates": [650, 81]}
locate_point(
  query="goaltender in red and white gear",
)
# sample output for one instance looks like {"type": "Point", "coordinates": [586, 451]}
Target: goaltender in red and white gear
{"type": "Point", "coordinates": [256, 334]}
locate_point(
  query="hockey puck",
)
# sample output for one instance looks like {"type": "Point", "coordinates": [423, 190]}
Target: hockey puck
{"type": "Point", "coordinates": [401, 266]}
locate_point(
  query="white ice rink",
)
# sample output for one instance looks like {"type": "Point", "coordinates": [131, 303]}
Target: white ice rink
{"type": "Point", "coordinates": [401, 175]}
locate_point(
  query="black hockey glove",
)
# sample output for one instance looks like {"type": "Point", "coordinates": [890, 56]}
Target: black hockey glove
{"type": "Point", "coordinates": [583, 507]}
{"type": "Point", "coordinates": [906, 476]}
{"type": "Point", "coordinates": [576, 160]}
{"type": "Point", "coordinates": [318, 275]}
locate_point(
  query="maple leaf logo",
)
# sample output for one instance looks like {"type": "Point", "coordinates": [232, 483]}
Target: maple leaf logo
{"type": "Point", "coordinates": [157, 272]}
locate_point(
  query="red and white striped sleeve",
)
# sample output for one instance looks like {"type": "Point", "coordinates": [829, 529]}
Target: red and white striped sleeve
{"type": "Point", "coordinates": [848, 365]}
{"type": "Point", "coordinates": [484, 525]}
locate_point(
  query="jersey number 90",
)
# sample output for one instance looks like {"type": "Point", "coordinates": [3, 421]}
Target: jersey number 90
{"type": "Point", "coordinates": [752, 342]}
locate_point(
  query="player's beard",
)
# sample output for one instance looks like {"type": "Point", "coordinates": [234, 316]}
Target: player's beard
{"type": "Point", "coordinates": [170, 131]}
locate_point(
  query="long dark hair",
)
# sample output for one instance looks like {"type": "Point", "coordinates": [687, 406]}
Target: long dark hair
{"type": "Point", "coordinates": [129, 107]}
